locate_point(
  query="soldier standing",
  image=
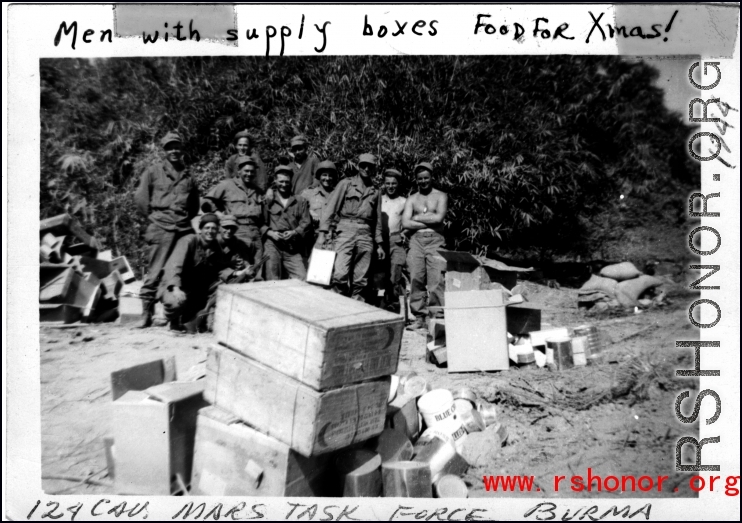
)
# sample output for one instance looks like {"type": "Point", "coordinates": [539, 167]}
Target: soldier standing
{"type": "Point", "coordinates": [318, 196]}
{"type": "Point", "coordinates": [304, 165]}
{"type": "Point", "coordinates": [392, 208]}
{"type": "Point", "coordinates": [168, 196]}
{"type": "Point", "coordinates": [355, 205]}
{"type": "Point", "coordinates": [240, 198]}
{"type": "Point", "coordinates": [287, 219]}
{"type": "Point", "coordinates": [423, 216]}
{"type": "Point", "coordinates": [245, 147]}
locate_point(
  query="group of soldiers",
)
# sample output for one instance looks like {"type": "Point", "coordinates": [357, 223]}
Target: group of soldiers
{"type": "Point", "coordinates": [255, 227]}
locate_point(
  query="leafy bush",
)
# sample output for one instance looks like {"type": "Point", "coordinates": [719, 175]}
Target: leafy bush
{"type": "Point", "coordinates": [530, 149]}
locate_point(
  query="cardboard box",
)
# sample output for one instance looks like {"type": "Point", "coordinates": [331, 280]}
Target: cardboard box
{"type": "Point", "coordinates": [65, 224]}
{"type": "Point", "coordinates": [121, 264]}
{"type": "Point", "coordinates": [130, 309]}
{"type": "Point", "coordinates": [315, 336]}
{"type": "Point", "coordinates": [232, 459]}
{"type": "Point", "coordinates": [113, 284]}
{"type": "Point", "coordinates": [476, 331]}
{"type": "Point", "coordinates": [56, 283]}
{"type": "Point", "coordinates": [523, 319]}
{"type": "Point", "coordinates": [154, 432]}
{"type": "Point", "coordinates": [465, 272]}
{"type": "Point", "coordinates": [100, 268]}
{"type": "Point", "coordinates": [310, 422]}
{"type": "Point", "coordinates": [142, 377]}
{"type": "Point", "coordinates": [59, 313]}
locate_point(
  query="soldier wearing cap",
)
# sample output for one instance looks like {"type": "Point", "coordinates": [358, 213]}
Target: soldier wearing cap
{"type": "Point", "coordinates": [168, 196]}
{"type": "Point", "coordinates": [318, 195]}
{"type": "Point", "coordinates": [355, 205]}
{"type": "Point", "coordinates": [423, 217]}
{"type": "Point", "coordinates": [193, 272]}
{"type": "Point", "coordinates": [240, 198]}
{"type": "Point", "coordinates": [304, 165]}
{"type": "Point", "coordinates": [286, 221]}
{"type": "Point", "coordinates": [239, 255]}
{"type": "Point", "coordinates": [392, 208]}
{"type": "Point", "coordinates": [244, 145]}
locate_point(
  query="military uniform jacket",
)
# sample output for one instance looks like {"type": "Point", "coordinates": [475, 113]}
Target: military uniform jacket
{"type": "Point", "coordinates": [244, 202]}
{"type": "Point", "coordinates": [294, 217]}
{"type": "Point", "coordinates": [354, 200]}
{"type": "Point", "coordinates": [195, 265]}
{"type": "Point", "coordinates": [167, 196]}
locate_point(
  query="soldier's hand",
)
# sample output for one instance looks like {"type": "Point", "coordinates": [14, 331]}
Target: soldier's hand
{"type": "Point", "coordinates": [288, 235]}
{"type": "Point", "coordinates": [380, 252]}
{"type": "Point", "coordinates": [178, 294]}
{"type": "Point", "coordinates": [273, 235]}
{"type": "Point", "coordinates": [321, 239]}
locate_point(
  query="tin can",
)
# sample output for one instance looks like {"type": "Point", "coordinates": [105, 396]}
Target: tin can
{"type": "Point", "coordinates": [488, 412]}
{"type": "Point", "coordinates": [465, 393]}
{"type": "Point", "coordinates": [450, 486]}
{"type": "Point", "coordinates": [472, 421]}
{"type": "Point", "coordinates": [440, 455]}
{"type": "Point", "coordinates": [562, 352]}
{"type": "Point", "coordinates": [594, 352]}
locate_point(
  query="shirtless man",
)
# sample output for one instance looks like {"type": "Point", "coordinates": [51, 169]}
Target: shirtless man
{"type": "Point", "coordinates": [423, 217]}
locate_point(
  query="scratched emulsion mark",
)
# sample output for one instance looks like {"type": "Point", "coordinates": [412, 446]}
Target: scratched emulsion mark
{"type": "Point", "coordinates": [673, 29]}
{"type": "Point", "coordinates": [157, 23]}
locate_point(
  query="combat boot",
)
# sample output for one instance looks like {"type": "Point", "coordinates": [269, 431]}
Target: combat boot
{"type": "Point", "coordinates": [148, 311]}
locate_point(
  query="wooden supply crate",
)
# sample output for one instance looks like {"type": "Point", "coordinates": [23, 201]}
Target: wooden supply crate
{"type": "Point", "coordinates": [316, 336]}
{"type": "Point", "coordinates": [154, 432]}
{"type": "Point", "coordinates": [232, 459]}
{"type": "Point", "coordinates": [310, 422]}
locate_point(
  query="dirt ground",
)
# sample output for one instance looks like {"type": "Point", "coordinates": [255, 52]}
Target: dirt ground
{"type": "Point", "coordinates": [617, 418]}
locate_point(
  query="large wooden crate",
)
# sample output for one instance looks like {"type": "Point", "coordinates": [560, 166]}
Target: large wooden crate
{"type": "Point", "coordinates": [310, 422]}
{"type": "Point", "coordinates": [232, 459]}
{"type": "Point", "coordinates": [316, 336]}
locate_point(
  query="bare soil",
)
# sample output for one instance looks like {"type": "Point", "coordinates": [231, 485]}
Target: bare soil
{"type": "Point", "coordinates": [617, 418]}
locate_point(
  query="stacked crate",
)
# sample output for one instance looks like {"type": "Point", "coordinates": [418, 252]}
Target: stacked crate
{"type": "Point", "coordinates": [298, 372]}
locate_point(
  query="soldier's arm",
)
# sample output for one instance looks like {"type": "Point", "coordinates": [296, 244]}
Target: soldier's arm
{"type": "Point", "coordinates": [332, 207]}
{"type": "Point", "coordinates": [305, 219]}
{"type": "Point", "coordinates": [437, 216]}
{"type": "Point", "coordinates": [215, 199]}
{"type": "Point", "coordinates": [407, 221]}
{"type": "Point", "coordinates": [379, 222]}
{"type": "Point", "coordinates": [194, 201]}
{"type": "Point", "coordinates": [141, 197]}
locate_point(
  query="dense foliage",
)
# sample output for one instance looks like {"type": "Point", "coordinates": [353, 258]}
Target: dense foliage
{"type": "Point", "coordinates": [534, 151]}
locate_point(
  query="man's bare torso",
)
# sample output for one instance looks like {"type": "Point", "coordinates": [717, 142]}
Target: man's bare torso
{"type": "Point", "coordinates": [423, 204]}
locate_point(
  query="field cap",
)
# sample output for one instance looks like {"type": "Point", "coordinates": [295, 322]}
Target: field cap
{"type": "Point", "coordinates": [170, 137]}
{"type": "Point", "coordinates": [243, 160]}
{"type": "Point", "coordinates": [327, 165]}
{"type": "Point", "coordinates": [228, 221]}
{"type": "Point", "coordinates": [367, 158]}
{"type": "Point", "coordinates": [242, 134]}
{"type": "Point", "coordinates": [283, 169]}
{"type": "Point", "coordinates": [208, 218]}
{"type": "Point", "coordinates": [424, 165]}
{"type": "Point", "coordinates": [393, 173]}
{"type": "Point", "coordinates": [299, 139]}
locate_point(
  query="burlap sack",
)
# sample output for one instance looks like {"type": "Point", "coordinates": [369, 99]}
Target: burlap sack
{"type": "Point", "coordinates": [628, 292]}
{"type": "Point", "coordinates": [598, 283]}
{"type": "Point", "coordinates": [620, 271]}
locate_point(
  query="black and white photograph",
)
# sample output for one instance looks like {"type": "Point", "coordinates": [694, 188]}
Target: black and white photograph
{"type": "Point", "coordinates": [461, 278]}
